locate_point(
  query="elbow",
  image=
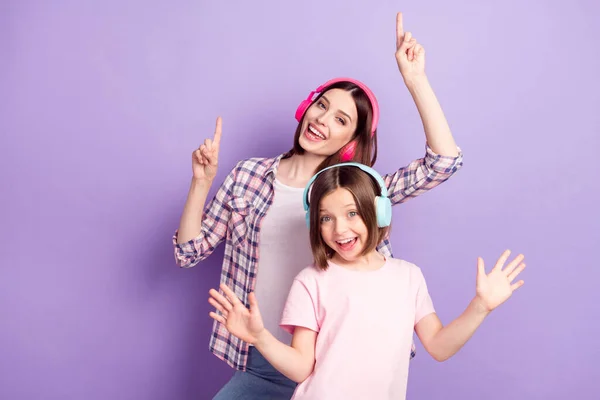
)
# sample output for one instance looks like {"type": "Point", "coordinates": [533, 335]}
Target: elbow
{"type": "Point", "coordinates": [303, 373]}
{"type": "Point", "coordinates": [301, 377]}
{"type": "Point", "coordinates": [440, 358]}
{"type": "Point", "coordinates": [182, 261]}
{"type": "Point", "coordinates": [188, 258]}
{"type": "Point", "coordinates": [186, 261]}
{"type": "Point", "coordinates": [438, 355]}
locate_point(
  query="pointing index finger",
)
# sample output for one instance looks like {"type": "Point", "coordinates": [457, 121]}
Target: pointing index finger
{"type": "Point", "coordinates": [217, 137]}
{"type": "Point", "coordinates": [399, 29]}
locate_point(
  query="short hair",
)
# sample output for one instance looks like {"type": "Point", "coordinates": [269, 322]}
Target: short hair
{"type": "Point", "coordinates": [364, 188]}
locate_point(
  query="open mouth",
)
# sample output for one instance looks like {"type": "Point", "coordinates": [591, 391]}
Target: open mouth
{"type": "Point", "coordinates": [346, 244]}
{"type": "Point", "coordinates": [313, 134]}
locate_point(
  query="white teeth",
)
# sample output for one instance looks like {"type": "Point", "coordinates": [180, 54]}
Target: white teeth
{"type": "Point", "coordinates": [345, 241]}
{"type": "Point", "coordinates": [316, 132]}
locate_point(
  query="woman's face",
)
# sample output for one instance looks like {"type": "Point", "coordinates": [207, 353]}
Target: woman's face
{"type": "Point", "coordinates": [329, 123]}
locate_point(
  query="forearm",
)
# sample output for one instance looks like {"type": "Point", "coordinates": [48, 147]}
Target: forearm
{"type": "Point", "coordinates": [191, 218]}
{"type": "Point", "coordinates": [286, 359]}
{"type": "Point", "coordinates": [437, 131]}
{"type": "Point", "coordinates": [451, 338]}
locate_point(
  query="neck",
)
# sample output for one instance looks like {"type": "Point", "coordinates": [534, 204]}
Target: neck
{"type": "Point", "coordinates": [298, 169]}
{"type": "Point", "coordinates": [369, 262]}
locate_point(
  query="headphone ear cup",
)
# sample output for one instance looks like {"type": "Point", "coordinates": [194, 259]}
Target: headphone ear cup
{"type": "Point", "coordinates": [302, 109]}
{"type": "Point", "coordinates": [347, 152]}
{"type": "Point", "coordinates": [384, 211]}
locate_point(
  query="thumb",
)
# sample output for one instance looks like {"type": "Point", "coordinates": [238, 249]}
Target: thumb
{"type": "Point", "coordinates": [253, 302]}
{"type": "Point", "coordinates": [480, 267]}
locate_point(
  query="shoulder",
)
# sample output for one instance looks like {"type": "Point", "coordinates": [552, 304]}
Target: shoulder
{"type": "Point", "coordinates": [404, 266]}
{"type": "Point", "coordinates": [312, 277]}
{"type": "Point", "coordinates": [250, 173]}
{"type": "Point", "coordinates": [310, 272]}
{"type": "Point", "coordinates": [254, 165]}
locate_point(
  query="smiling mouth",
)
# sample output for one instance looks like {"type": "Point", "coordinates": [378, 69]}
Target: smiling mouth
{"type": "Point", "coordinates": [346, 244]}
{"type": "Point", "coordinates": [314, 133]}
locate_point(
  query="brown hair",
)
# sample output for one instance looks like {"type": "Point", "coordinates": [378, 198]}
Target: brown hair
{"type": "Point", "coordinates": [364, 189]}
{"type": "Point", "coordinates": [366, 145]}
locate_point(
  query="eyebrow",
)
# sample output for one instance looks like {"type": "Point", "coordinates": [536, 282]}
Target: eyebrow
{"type": "Point", "coordinates": [328, 102]}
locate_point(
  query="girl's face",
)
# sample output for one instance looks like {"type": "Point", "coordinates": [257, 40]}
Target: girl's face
{"type": "Point", "coordinates": [342, 228]}
{"type": "Point", "coordinates": [329, 123]}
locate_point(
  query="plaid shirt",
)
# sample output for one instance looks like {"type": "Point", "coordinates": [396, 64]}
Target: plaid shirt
{"type": "Point", "coordinates": [238, 208]}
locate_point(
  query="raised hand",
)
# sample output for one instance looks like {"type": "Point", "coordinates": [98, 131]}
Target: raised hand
{"type": "Point", "coordinates": [410, 55]}
{"type": "Point", "coordinates": [205, 158]}
{"type": "Point", "coordinates": [496, 287]}
{"type": "Point", "coordinates": [245, 324]}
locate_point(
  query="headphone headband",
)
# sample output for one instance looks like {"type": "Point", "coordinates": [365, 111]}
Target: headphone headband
{"type": "Point", "coordinates": [374, 104]}
{"type": "Point", "coordinates": [383, 207]}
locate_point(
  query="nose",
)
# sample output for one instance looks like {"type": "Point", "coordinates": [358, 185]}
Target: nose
{"type": "Point", "coordinates": [340, 226]}
{"type": "Point", "coordinates": [322, 118]}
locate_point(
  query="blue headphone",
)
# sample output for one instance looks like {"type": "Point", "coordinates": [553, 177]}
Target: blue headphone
{"type": "Point", "coordinates": [383, 205]}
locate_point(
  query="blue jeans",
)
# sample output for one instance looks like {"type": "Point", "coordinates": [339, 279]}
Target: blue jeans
{"type": "Point", "coordinates": [260, 381]}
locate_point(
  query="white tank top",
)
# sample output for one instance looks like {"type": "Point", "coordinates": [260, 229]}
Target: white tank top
{"type": "Point", "coordinates": [284, 250]}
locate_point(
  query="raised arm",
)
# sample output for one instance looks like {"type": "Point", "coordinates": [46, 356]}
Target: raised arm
{"type": "Point", "coordinates": [205, 160]}
{"type": "Point", "coordinates": [410, 56]}
{"type": "Point", "coordinates": [493, 289]}
{"type": "Point", "coordinates": [202, 229]}
{"type": "Point", "coordinates": [420, 176]}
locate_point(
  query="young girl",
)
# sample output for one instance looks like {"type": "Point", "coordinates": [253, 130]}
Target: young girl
{"type": "Point", "coordinates": [257, 210]}
{"type": "Point", "coordinates": [353, 312]}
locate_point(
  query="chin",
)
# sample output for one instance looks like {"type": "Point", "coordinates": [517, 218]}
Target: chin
{"type": "Point", "coordinates": [315, 151]}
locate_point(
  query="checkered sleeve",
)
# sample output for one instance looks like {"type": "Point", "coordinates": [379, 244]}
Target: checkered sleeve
{"type": "Point", "coordinates": [213, 230]}
{"type": "Point", "coordinates": [421, 175]}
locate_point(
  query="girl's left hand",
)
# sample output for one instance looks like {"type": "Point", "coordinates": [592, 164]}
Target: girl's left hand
{"type": "Point", "coordinates": [410, 55]}
{"type": "Point", "coordinates": [496, 287]}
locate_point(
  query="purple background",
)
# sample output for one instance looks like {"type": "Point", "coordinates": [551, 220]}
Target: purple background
{"type": "Point", "coordinates": [102, 103]}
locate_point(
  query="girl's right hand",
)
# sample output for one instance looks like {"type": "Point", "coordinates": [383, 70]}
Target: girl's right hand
{"type": "Point", "coordinates": [205, 158]}
{"type": "Point", "coordinates": [239, 321]}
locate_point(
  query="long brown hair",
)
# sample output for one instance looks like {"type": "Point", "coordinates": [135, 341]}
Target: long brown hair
{"type": "Point", "coordinates": [366, 145]}
{"type": "Point", "coordinates": [363, 188]}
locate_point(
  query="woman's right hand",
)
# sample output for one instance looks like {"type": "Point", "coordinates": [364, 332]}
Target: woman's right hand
{"type": "Point", "coordinates": [205, 158]}
{"type": "Point", "coordinates": [239, 321]}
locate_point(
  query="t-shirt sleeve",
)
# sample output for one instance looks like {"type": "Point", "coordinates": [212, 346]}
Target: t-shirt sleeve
{"type": "Point", "coordinates": [301, 307]}
{"type": "Point", "coordinates": [424, 304]}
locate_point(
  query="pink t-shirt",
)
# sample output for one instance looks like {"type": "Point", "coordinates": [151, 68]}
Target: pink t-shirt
{"type": "Point", "coordinates": [365, 321]}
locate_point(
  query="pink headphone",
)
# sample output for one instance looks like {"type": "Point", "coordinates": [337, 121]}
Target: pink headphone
{"type": "Point", "coordinates": [347, 153]}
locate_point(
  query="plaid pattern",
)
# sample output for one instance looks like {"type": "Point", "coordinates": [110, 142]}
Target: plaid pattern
{"type": "Point", "coordinates": [238, 208]}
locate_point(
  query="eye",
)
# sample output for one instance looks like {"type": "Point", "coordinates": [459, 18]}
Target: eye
{"type": "Point", "coordinates": [352, 214]}
{"type": "Point", "coordinates": [341, 120]}
{"type": "Point", "coordinates": [325, 218]}
{"type": "Point", "coordinates": [320, 104]}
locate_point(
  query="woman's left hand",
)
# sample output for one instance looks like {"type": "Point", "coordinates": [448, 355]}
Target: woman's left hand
{"type": "Point", "coordinates": [410, 55]}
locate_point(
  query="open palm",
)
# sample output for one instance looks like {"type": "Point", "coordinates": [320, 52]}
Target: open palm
{"type": "Point", "coordinates": [496, 287]}
{"type": "Point", "coordinates": [242, 323]}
